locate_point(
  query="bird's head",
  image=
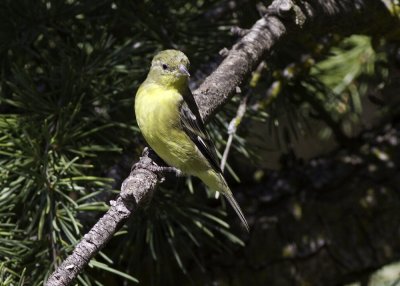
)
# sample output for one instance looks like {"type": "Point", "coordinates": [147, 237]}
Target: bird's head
{"type": "Point", "coordinates": [170, 68]}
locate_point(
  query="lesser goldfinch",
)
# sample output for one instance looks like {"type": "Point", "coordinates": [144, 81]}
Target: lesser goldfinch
{"type": "Point", "coordinates": [170, 122]}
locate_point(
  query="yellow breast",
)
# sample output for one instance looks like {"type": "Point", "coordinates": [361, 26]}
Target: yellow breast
{"type": "Point", "coordinates": [158, 116]}
{"type": "Point", "coordinates": [157, 109]}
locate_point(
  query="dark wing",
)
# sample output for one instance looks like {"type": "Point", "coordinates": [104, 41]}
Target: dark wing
{"type": "Point", "coordinates": [193, 125]}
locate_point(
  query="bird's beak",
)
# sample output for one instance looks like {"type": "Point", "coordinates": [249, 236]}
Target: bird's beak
{"type": "Point", "coordinates": [183, 70]}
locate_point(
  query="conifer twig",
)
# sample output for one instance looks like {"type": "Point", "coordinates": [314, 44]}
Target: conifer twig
{"type": "Point", "coordinates": [232, 128]}
{"type": "Point", "coordinates": [235, 122]}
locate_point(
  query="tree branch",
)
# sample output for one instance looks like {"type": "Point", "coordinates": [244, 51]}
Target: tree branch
{"type": "Point", "coordinates": [135, 191]}
{"type": "Point", "coordinates": [282, 16]}
{"type": "Point", "coordinates": [285, 18]}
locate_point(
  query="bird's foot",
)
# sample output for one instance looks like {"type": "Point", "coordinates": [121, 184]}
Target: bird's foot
{"type": "Point", "coordinates": [166, 169]}
{"type": "Point", "coordinates": [158, 169]}
{"type": "Point", "coordinates": [148, 162]}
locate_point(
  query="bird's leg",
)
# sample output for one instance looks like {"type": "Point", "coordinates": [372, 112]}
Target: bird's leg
{"type": "Point", "coordinates": [151, 166]}
{"type": "Point", "coordinates": [164, 169]}
{"type": "Point", "coordinates": [150, 161]}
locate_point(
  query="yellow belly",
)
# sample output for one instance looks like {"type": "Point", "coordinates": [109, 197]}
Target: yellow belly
{"type": "Point", "coordinates": [157, 114]}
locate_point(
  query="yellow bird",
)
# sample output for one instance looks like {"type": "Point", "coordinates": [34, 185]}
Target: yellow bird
{"type": "Point", "coordinates": [169, 119]}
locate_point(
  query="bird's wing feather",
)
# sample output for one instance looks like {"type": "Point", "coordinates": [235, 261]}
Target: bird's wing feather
{"type": "Point", "coordinates": [194, 127]}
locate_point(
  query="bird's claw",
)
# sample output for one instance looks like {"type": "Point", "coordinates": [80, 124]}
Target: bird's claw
{"type": "Point", "coordinates": [145, 152]}
{"type": "Point", "coordinates": [149, 161]}
{"type": "Point", "coordinates": [157, 169]}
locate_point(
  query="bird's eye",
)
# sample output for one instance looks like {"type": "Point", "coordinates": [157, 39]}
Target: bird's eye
{"type": "Point", "coordinates": [165, 67]}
